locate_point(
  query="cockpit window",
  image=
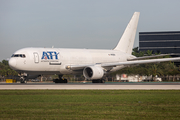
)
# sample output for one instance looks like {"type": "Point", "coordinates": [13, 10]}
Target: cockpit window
{"type": "Point", "coordinates": [19, 55]}
{"type": "Point", "coordinates": [23, 56]}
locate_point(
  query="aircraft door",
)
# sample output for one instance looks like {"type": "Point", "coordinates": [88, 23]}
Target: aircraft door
{"type": "Point", "coordinates": [36, 57]}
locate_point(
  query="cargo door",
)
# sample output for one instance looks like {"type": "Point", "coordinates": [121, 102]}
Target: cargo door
{"type": "Point", "coordinates": [36, 57]}
{"type": "Point", "coordinates": [55, 59]}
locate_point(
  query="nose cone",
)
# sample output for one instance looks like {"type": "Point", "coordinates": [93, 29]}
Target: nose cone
{"type": "Point", "coordinates": [12, 63]}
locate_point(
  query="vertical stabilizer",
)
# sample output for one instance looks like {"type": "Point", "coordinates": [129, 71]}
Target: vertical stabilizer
{"type": "Point", "coordinates": [127, 40]}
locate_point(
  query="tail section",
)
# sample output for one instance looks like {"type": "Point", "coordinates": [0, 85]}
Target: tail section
{"type": "Point", "coordinates": [127, 40]}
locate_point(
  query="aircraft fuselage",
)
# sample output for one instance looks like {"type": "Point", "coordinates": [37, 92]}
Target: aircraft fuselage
{"type": "Point", "coordinates": [56, 60]}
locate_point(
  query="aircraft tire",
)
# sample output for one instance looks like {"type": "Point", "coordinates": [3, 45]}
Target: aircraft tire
{"type": "Point", "coordinates": [98, 81]}
{"type": "Point", "coordinates": [65, 81]}
{"type": "Point", "coordinates": [94, 81]}
{"type": "Point", "coordinates": [60, 81]}
{"type": "Point", "coordinates": [102, 81]}
{"type": "Point", "coordinates": [22, 81]}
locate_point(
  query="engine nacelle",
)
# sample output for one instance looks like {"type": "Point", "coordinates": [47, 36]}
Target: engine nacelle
{"type": "Point", "coordinates": [93, 72]}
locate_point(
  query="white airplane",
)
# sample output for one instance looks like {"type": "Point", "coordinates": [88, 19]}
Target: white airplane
{"type": "Point", "coordinates": [92, 63]}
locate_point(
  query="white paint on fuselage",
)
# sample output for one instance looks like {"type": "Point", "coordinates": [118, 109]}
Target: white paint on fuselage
{"type": "Point", "coordinates": [65, 57]}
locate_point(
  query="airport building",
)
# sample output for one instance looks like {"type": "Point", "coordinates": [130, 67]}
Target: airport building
{"type": "Point", "coordinates": [160, 42]}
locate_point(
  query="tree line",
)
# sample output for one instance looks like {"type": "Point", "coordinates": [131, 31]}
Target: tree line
{"type": "Point", "coordinates": [160, 69]}
{"type": "Point", "coordinates": [5, 70]}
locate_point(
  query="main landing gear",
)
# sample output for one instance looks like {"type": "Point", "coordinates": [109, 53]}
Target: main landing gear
{"type": "Point", "coordinates": [98, 81]}
{"type": "Point", "coordinates": [60, 80]}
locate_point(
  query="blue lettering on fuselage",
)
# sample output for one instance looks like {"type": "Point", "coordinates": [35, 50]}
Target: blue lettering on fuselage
{"type": "Point", "coordinates": [50, 55]}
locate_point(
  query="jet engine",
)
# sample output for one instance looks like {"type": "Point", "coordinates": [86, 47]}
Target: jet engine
{"type": "Point", "coordinates": [93, 72]}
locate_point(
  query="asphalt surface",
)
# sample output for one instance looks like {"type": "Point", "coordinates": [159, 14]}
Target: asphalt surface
{"type": "Point", "coordinates": [93, 86]}
{"type": "Point", "coordinates": [89, 83]}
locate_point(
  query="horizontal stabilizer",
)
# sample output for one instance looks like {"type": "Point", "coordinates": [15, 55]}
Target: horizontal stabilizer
{"type": "Point", "coordinates": [147, 57]}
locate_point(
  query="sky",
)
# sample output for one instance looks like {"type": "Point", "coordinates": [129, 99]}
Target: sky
{"type": "Point", "coordinates": [92, 24]}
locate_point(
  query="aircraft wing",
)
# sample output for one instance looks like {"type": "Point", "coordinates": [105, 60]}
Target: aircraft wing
{"type": "Point", "coordinates": [153, 56]}
{"type": "Point", "coordinates": [137, 62]}
{"type": "Point", "coordinates": [126, 63]}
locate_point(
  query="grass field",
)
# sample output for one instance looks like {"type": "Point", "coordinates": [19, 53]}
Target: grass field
{"type": "Point", "coordinates": [90, 104]}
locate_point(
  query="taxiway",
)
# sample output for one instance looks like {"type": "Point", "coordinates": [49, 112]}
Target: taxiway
{"type": "Point", "coordinates": [85, 86]}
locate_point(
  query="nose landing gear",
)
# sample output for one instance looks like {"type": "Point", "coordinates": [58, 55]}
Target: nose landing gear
{"type": "Point", "coordinates": [23, 79]}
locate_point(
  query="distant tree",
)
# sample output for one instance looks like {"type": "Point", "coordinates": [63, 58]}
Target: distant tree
{"type": "Point", "coordinates": [158, 53]}
{"type": "Point", "coordinates": [141, 54]}
{"type": "Point", "coordinates": [160, 69]}
{"type": "Point", "coordinates": [155, 70]}
{"type": "Point", "coordinates": [5, 62]}
{"type": "Point", "coordinates": [5, 70]}
{"type": "Point", "coordinates": [171, 69]}
{"type": "Point", "coordinates": [149, 52]}
{"type": "Point", "coordinates": [137, 53]}
{"type": "Point", "coordinates": [136, 49]}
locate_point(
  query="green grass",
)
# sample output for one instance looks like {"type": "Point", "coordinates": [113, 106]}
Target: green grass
{"type": "Point", "coordinates": [90, 104]}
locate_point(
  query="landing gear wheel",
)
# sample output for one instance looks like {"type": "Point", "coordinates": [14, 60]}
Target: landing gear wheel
{"type": "Point", "coordinates": [60, 80]}
{"type": "Point", "coordinates": [102, 81]}
{"type": "Point", "coordinates": [22, 81]}
{"type": "Point", "coordinates": [98, 81]}
{"type": "Point", "coordinates": [64, 81]}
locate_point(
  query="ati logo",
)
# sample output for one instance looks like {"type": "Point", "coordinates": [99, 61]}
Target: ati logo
{"type": "Point", "coordinates": [50, 55]}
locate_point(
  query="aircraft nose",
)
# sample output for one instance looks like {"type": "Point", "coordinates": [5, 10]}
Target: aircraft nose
{"type": "Point", "coordinates": [12, 63]}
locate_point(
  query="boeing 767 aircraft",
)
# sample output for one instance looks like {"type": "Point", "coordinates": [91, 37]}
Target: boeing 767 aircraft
{"type": "Point", "coordinates": [92, 63]}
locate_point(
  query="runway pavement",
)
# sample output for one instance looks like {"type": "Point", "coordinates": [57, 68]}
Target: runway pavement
{"type": "Point", "coordinates": [90, 86]}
